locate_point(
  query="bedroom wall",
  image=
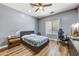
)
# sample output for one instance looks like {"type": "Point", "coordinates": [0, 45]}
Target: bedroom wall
{"type": "Point", "coordinates": [78, 12]}
{"type": "Point", "coordinates": [67, 18]}
{"type": "Point", "coordinates": [11, 21]}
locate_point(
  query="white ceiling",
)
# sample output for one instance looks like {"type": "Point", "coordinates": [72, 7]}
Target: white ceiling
{"type": "Point", "coordinates": [28, 9]}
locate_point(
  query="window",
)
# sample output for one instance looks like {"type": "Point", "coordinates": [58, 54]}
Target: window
{"type": "Point", "coordinates": [52, 27]}
{"type": "Point", "coordinates": [48, 27]}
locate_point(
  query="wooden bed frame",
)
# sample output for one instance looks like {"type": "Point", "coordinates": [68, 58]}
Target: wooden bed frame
{"type": "Point", "coordinates": [35, 49]}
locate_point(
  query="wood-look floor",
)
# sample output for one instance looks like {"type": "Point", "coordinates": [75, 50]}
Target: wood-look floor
{"type": "Point", "coordinates": [52, 49]}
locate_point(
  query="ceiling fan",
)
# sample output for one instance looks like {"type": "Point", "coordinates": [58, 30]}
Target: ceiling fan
{"type": "Point", "coordinates": [40, 5]}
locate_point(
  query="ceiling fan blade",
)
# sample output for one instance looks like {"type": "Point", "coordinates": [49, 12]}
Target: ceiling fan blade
{"type": "Point", "coordinates": [40, 4]}
{"type": "Point", "coordinates": [36, 9]}
{"type": "Point", "coordinates": [47, 5]}
{"type": "Point", "coordinates": [33, 4]}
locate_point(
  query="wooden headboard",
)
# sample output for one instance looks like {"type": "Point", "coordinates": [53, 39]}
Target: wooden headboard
{"type": "Point", "coordinates": [22, 33]}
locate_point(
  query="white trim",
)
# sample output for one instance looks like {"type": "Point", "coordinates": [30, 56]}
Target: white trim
{"type": "Point", "coordinates": [53, 39]}
{"type": "Point", "coordinates": [3, 46]}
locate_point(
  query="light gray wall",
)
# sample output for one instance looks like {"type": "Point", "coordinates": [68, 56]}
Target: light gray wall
{"type": "Point", "coordinates": [12, 21]}
{"type": "Point", "coordinates": [67, 18]}
{"type": "Point", "coordinates": [78, 12]}
{"type": "Point", "coordinates": [37, 26]}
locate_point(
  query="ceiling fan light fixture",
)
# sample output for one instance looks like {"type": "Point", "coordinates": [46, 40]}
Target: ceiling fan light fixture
{"type": "Point", "coordinates": [40, 5]}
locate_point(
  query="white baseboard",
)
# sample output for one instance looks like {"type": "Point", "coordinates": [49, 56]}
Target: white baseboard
{"type": "Point", "coordinates": [53, 39]}
{"type": "Point", "coordinates": [3, 46]}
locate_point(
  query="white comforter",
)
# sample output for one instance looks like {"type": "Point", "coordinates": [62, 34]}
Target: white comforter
{"type": "Point", "coordinates": [35, 40]}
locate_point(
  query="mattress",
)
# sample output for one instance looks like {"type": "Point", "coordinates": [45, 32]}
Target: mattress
{"type": "Point", "coordinates": [35, 40]}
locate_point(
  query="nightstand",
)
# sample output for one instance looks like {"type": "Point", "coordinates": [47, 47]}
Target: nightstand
{"type": "Point", "coordinates": [13, 41]}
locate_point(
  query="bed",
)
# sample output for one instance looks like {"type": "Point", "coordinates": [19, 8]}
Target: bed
{"type": "Point", "coordinates": [33, 40]}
